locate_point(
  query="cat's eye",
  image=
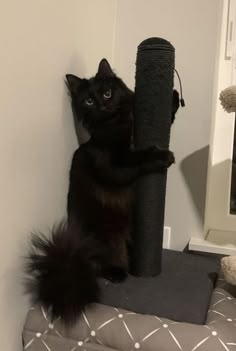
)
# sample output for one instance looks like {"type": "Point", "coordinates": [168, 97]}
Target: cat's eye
{"type": "Point", "coordinates": [107, 94]}
{"type": "Point", "coordinates": [89, 101]}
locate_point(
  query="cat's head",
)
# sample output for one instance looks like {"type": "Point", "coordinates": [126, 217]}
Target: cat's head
{"type": "Point", "coordinates": [100, 101]}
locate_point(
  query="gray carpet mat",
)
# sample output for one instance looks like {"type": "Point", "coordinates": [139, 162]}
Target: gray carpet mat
{"type": "Point", "coordinates": [181, 292]}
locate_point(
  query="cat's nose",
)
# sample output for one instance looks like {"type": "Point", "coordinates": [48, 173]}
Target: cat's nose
{"type": "Point", "coordinates": [103, 108]}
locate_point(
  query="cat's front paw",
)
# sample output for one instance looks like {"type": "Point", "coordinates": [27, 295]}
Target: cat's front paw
{"type": "Point", "coordinates": [166, 157]}
{"type": "Point", "coordinates": [170, 158]}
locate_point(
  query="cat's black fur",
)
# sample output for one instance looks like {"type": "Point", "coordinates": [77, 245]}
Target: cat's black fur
{"type": "Point", "coordinates": [93, 242]}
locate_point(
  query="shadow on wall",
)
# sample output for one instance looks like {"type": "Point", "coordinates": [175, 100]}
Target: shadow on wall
{"type": "Point", "coordinates": [77, 67]}
{"type": "Point", "coordinates": [81, 133]}
{"type": "Point", "coordinates": [194, 169]}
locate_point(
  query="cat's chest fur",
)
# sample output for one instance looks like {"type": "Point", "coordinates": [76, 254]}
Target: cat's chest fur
{"type": "Point", "coordinates": [114, 199]}
{"type": "Point", "coordinates": [112, 196]}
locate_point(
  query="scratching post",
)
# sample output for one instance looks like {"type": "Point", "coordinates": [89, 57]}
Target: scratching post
{"type": "Point", "coordinates": [183, 282]}
{"type": "Point", "coordinates": [153, 101]}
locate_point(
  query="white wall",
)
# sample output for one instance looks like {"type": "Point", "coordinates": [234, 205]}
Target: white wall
{"type": "Point", "coordinates": [191, 26]}
{"type": "Point", "coordinates": [40, 41]}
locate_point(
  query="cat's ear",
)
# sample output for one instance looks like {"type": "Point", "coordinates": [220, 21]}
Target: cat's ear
{"type": "Point", "coordinates": [73, 83]}
{"type": "Point", "coordinates": [104, 70]}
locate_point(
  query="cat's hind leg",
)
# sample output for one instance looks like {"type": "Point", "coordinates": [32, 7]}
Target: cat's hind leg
{"type": "Point", "coordinates": [116, 267]}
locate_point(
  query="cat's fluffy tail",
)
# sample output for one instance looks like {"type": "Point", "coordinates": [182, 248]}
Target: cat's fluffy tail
{"type": "Point", "coordinates": [62, 272]}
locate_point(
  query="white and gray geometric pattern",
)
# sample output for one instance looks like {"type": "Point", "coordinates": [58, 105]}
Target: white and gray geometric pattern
{"type": "Point", "coordinates": [112, 329]}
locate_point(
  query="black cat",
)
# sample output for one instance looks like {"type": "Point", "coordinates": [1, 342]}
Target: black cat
{"type": "Point", "coordinates": [93, 242]}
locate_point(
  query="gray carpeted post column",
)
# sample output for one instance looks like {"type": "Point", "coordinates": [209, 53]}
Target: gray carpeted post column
{"type": "Point", "coordinates": [153, 101]}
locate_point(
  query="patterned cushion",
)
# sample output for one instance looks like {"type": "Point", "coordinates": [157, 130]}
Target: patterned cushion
{"type": "Point", "coordinates": [111, 329]}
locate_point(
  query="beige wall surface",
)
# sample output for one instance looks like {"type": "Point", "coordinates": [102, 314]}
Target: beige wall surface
{"type": "Point", "coordinates": [192, 27]}
{"type": "Point", "coordinates": [40, 41]}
